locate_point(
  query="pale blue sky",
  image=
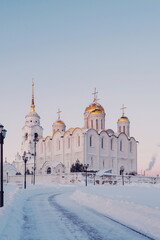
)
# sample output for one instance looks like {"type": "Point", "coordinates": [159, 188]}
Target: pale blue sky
{"type": "Point", "coordinates": [70, 47]}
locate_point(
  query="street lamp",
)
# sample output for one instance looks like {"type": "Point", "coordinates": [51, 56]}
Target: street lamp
{"type": "Point", "coordinates": [85, 168]}
{"type": "Point", "coordinates": [122, 173]}
{"type": "Point", "coordinates": [2, 136]}
{"type": "Point", "coordinates": [35, 140]}
{"type": "Point", "coordinates": [7, 176]}
{"type": "Point", "coordinates": [25, 159]}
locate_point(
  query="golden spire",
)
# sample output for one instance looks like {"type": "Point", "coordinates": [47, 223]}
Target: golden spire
{"type": "Point", "coordinates": [32, 102]}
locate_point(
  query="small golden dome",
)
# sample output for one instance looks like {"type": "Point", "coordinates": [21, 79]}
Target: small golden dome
{"type": "Point", "coordinates": [59, 122]}
{"type": "Point", "coordinates": [94, 108]}
{"type": "Point", "coordinates": [123, 118]}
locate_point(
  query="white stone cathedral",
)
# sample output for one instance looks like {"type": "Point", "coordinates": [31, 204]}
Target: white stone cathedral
{"type": "Point", "coordinates": [91, 144]}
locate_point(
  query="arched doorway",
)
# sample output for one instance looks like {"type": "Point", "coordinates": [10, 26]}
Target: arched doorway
{"type": "Point", "coordinates": [48, 170]}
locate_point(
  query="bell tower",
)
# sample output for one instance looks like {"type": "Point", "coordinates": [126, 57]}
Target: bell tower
{"type": "Point", "coordinates": [31, 127]}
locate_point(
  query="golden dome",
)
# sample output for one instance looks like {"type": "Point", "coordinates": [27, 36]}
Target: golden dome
{"type": "Point", "coordinates": [59, 122]}
{"type": "Point", "coordinates": [94, 108]}
{"type": "Point", "coordinates": [96, 111]}
{"type": "Point", "coordinates": [123, 118]}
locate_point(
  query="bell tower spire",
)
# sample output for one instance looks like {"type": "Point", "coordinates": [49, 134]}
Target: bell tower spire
{"type": "Point", "coordinates": [32, 102]}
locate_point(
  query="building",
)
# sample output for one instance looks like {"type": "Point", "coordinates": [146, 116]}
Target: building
{"type": "Point", "coordinates": [92, 144]}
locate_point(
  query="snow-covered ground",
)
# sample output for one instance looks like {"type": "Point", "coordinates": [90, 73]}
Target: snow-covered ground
{"type": "Point", "coordinates": [54, 211]}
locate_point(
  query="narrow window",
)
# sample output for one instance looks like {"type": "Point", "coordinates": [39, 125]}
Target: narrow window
{"type": "Point", "coordinates": [131, 164]}
{"type": "Point", "coordinates": [78, 141]}
{"type": "Point", "coordinates": [68, 142]}
{"type": "Point", "coordinates": [96, 124]}
{"type": "Point", "coordinates": [41, 148]}
{"type": "Point", "coordinates": [101, 124]}
{"type": "Point", "coordinates": [102, 142]}
{"type": "Point", "coordinates": [111, 143]}
{"type": "Point", "coordinates": [59, 145]}
{"type": "Point", "coordinates": [130, 146]}
{"type": "Point", "coordinates": [91, 123]}
{"type": "Point", "coordinates": [49, 146]}
{"type": "Point", "coordinates": [112, 163]}
{"type": "Point", "coordinates": [103, 163]}
{"type": "Point", "coordinates": [90, 141]}
{"type": "Point", "coordinates": [119, 128]}
{"type": "Point", "coordinates": [121, 146]}
{"type": "Point", "coordinates": [91, 162]}
{"type": "Point", "coordinates": [124, 129]}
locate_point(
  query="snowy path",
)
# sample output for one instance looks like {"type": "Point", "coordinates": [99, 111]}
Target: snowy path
{"type": "Point", "coordinates": [54, 216]}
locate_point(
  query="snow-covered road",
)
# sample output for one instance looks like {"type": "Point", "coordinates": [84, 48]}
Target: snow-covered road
{"type": "Point", "coordinates": [56, 212]}
{"type": "Point", "coordinates": [55, 216]}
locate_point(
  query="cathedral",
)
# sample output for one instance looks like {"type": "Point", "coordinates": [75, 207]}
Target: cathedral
{"type": "Point", "coordinates": [92, 144]}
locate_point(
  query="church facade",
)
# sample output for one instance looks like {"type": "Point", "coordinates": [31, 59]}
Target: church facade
{"type": "Point", "coordinates": [93, 144]}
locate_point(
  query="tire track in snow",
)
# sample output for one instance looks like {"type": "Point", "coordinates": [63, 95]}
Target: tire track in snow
{"type": "Point", "coordinates": [93, 234]}
{"type": "Point", "coordinates": [74, 223]}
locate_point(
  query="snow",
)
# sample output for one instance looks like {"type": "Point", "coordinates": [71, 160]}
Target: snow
{"type": "Point", "coordinates": [54, 211]}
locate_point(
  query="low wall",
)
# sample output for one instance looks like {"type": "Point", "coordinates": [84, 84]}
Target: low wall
{"type": "Point", "coordinates": [49, 178]}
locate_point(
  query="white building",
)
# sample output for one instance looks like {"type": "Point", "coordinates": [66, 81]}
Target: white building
{"type": "Point", "coordinates": [91, 144]}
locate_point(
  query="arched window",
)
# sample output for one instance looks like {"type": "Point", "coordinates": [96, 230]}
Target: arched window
{"type": "Point", "coordinates": [101, 124]}
{"type": "Point", "coordinates": [124, 129]}
{"type": "Point", "coordinates": [119, 128]}
{"type": "Point", "coordinates": [48, 170]}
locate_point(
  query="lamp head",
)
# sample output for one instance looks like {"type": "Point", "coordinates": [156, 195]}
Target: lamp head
{"type": "Point", "coordinates": [1, 127]}
{"type": "Point", "coordinates": [4, 131]}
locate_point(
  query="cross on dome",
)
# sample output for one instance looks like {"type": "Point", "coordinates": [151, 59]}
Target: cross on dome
{"type": "Point", "coordinates": [122, 108]}
{"type": "Point", "coordinates": [59, 113]}
{"type": "Point", "coordinates": [95, 96]}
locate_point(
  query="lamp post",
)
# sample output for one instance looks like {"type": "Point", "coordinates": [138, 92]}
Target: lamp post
{"type": "Point", "coordinates": [25, 159]}
{"type": "Point", "coordinates": [2, 136]}
{"type": "Point", "coordinates": [7, 176]}
{"type": "Point", "coordinates": [85, 168]}
{"type": "Point", "coordinates": [35, 140]}
{"type": "Point", "coordinates": [122, 173]}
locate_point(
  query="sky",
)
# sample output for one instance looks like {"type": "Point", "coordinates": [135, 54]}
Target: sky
{"type": "Point", "coordinates": [70, 47]}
